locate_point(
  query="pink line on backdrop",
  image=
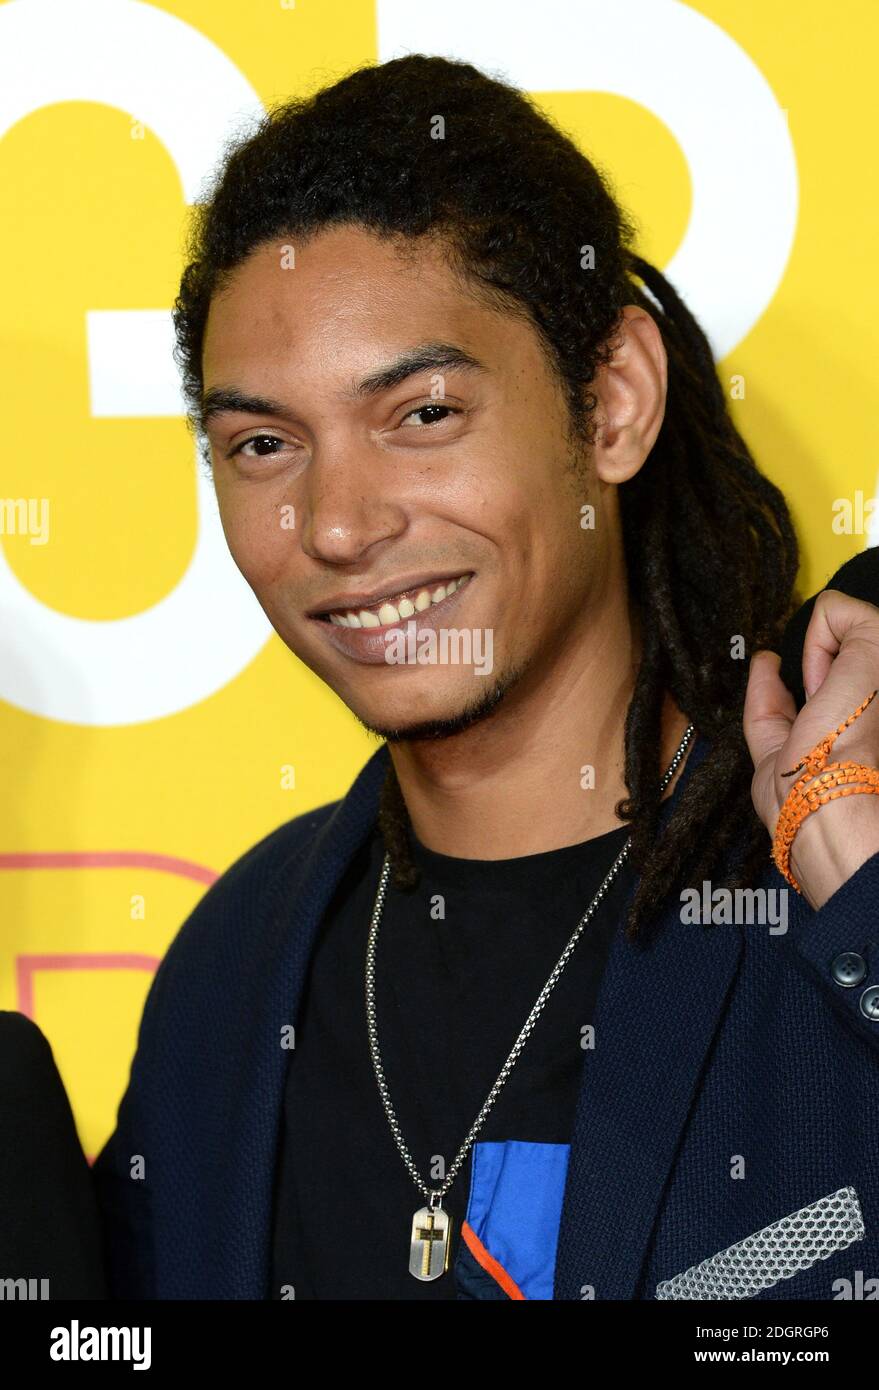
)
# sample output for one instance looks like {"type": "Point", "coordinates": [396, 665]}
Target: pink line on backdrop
{"type": "Point", "coordinates": [27, 966]}
{"type": "Point", "coordinates": [108, 859]}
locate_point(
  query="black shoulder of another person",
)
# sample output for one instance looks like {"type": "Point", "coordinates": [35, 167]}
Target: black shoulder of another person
{"type": "Point", "coordinates": [49, 1234]}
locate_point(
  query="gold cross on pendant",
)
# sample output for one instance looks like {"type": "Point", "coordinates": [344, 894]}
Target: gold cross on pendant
{"type": "Point", "coordinates": [429, 1243]}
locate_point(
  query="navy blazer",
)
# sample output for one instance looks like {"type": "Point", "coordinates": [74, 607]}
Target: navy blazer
{"type": "Point", "coordinates": [734, 1083]}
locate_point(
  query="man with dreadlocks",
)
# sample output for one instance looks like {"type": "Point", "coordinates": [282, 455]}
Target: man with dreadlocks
{"type": "Point", "coordinates": [531, 1012]}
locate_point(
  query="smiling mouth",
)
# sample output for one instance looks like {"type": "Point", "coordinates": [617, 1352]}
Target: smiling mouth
{"type": "Point", "coordinates": [406, 604]}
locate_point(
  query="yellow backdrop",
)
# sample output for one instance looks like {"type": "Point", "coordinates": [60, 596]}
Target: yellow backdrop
{"type": "Point", "coordinates": [135, 768]}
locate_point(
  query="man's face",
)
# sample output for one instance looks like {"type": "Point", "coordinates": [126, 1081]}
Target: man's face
{"type": "Point", "coordinates": [344, 499]}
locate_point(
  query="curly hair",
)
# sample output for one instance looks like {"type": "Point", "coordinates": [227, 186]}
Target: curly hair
{"type": "Point", "coordinates": [427, 147]}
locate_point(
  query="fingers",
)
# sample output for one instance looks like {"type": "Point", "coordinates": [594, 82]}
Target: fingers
{"type": "Point", "coordinates": [834, 616]}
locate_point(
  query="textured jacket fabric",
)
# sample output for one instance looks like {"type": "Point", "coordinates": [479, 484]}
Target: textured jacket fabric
{"type": "Point", "coordinates": [733, 1083]}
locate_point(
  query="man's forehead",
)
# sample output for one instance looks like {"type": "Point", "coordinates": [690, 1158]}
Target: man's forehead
{"type": "Point", "coordinates": [338, 321]}
{"type": "Point", "coordinates": [327, 297]}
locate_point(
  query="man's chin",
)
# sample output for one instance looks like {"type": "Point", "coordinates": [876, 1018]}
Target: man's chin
{"type": "Point", "coordinates": [447, 725]}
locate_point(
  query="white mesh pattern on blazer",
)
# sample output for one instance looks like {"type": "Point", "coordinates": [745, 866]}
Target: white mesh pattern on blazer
{"type": "Point", "coordinates": [777, 1252]}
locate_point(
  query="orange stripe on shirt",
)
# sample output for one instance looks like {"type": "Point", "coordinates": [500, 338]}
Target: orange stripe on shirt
{"type": "Point", "coordinates": [489, 1263]}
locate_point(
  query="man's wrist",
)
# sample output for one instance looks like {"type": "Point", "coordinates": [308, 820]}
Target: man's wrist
{"type": "Point", "coordinates": [832, 843]}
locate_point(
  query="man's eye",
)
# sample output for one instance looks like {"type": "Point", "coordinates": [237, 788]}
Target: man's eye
{"type": "Point", "coordinates": [257, 440]}
{"type": "Point", "coordinates": [428, 409]}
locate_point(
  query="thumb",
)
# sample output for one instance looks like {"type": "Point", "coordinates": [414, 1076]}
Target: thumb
{"type": "Point", "coordinates": [769, 710]}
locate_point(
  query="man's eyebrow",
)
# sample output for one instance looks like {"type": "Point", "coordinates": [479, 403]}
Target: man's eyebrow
{"type": "Point", "coordinates": [222, 400]}
{"type": "Point", "coordinates": [436, 357]}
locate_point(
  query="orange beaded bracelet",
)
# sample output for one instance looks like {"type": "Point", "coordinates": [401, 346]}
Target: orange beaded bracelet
{"type": "Point", "coordinates": [846, 777]}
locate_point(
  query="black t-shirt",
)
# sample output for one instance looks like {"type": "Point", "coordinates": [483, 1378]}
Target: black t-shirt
{"type": "Point", "coordinates": [460, 962]}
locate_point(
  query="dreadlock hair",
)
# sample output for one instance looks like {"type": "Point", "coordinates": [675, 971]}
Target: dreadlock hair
{"type": "Point", "coordinates": [427, 147]}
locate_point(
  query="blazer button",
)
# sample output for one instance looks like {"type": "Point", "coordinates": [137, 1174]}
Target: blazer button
{"type": "Point", "coordinates": [848, 969]}
{"type": "Point", "coordinates": [870, 1003]}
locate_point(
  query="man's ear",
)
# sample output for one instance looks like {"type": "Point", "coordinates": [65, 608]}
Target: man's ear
{"type": "Point", "coordinates": [631, 392]}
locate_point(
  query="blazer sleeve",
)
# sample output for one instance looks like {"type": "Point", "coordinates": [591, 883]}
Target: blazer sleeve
{"type": "Point", "coordinates": [839, 945]}
{"type": "Point", "coordinates": [122, 1172]}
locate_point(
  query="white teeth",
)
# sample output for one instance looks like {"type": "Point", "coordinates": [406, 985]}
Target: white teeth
{"type": "Point", "coordinates": [392, 612]}
{"type": "Point", "coordinates": [388, 614]}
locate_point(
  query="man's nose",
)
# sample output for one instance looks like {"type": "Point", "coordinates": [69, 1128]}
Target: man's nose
{"type": "Point", "coordinates": [349, 506]}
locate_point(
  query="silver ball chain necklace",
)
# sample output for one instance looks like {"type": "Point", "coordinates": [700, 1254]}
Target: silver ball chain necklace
{"type": "Point", "coordinates": [430, 1235]}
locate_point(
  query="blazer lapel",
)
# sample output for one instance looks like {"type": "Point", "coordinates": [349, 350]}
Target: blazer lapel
{"type": "Point", "coordinates": [657, 1012]}
{"type": "Point", "coordinates": [254, 1084]}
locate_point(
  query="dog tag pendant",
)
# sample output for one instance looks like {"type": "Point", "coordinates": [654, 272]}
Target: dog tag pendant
{"type": "Point", "coordinates": [429, 1247]}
